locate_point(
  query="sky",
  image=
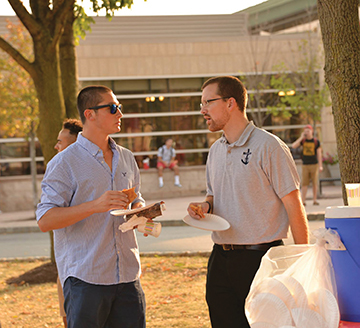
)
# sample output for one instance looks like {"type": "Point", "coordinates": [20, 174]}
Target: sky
{"type": "Point", "coordinates": [168, 7]}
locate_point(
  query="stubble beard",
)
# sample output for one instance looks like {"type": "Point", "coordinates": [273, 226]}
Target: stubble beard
{"type": "Point", "coordinates": [219, 125]}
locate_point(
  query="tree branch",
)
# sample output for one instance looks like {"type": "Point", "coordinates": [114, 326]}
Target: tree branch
{"type": "Point", "coordinates": [18, 57]}
{"type": "Point", "coordinates": [25, 17]}
{"type": "Point", "coordinates": [60, 12]}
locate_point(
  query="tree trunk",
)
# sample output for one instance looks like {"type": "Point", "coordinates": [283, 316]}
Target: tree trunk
{"type": "Point", "coordinates": [339, 21]}
{"type": "Point", "coordinates": [51, 101]}
{"type": "Point", "coordinates": [33, 168]}
{"type": "Point", "coordinates": [68, 64]}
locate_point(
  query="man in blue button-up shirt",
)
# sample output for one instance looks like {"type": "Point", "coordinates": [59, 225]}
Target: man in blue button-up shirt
{"type": "Point", "coordinates": [98, 265]}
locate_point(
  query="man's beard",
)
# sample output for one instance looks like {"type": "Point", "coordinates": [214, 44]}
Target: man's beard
{"type": "Point", "coordinates": [220, 123]}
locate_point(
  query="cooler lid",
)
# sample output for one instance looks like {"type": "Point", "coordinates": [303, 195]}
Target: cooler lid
{"type": "Point", "coordinates": [339, 212]}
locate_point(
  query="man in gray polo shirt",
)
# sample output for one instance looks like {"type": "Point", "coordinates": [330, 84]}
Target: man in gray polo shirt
{"type": "Point", "coordinates": [252, 183]}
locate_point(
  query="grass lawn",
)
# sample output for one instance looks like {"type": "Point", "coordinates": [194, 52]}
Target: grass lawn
{"type": "Point", "coordinates": [174, 287]}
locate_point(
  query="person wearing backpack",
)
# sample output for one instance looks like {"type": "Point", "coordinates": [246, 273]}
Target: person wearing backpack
{"type": "Point", "coordinates": [167, 159]}
{"type": "Point", "coordinates": [311, 161]}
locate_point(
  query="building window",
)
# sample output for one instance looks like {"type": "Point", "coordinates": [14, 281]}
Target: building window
{"type": "Point", "coordinates": [160, 108]}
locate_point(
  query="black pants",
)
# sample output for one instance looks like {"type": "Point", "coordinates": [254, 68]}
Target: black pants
{"type": "Point", "coordinates": [230, 274]}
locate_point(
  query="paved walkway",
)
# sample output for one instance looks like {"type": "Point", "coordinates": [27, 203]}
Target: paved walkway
{"type": "Point", "coordinates": [20, 222]}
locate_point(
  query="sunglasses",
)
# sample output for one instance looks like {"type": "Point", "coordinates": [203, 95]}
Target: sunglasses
{"type": "Point", "coordinates": [113, 107]}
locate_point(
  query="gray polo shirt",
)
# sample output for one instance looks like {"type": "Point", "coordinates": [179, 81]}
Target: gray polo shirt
{"type": "Point", "coordinates": [247, 179]}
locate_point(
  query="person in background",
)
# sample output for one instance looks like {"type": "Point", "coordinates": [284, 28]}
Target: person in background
{"type": "Point", "coordinates": [252, 183]}
{"type": "Point", "coordinates": [67, 136]}
{"type": "Point", "coordinates": [167, 159]}
{"type": "Point", "coordinates": [98, 265]}
{"type": "Point", "coordinates": [311, 161]}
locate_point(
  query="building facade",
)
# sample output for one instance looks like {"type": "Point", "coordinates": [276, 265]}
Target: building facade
{"type": "Point", "coordinates": [156, 66]}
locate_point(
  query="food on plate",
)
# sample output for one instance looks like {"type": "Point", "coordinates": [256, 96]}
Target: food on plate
{"type": "Point", "coordinates": [198, 210]}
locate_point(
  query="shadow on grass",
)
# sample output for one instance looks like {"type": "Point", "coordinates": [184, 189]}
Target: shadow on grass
{"type": "Point", "coordinates": [44, 273]}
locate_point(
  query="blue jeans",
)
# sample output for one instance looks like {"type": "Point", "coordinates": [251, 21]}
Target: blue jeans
{"type": "Point", "coordinates": [104, 306]}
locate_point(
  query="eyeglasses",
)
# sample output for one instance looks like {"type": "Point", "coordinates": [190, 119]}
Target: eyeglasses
{"type": "Point", "coordinates": [206, 102]}
{"type": "Point", "coordinates": [113, 107]}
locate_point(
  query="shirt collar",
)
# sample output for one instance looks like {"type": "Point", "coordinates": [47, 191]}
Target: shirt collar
{"type": "Point", "coordinates": [90, 146]}
{"type": "Point", "coordinates": [243, 138]}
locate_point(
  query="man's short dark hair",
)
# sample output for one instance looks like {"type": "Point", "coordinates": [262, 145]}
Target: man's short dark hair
{"type": "Point", "coordinates": [229, 86]}
{"type": "Point", "coordinates": [73, 125]}
{"type": "Point", "coordinates": [90, 96]}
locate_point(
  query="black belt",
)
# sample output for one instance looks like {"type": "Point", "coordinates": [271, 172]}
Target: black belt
{"type": "Point", "coordinates": [258, 247]}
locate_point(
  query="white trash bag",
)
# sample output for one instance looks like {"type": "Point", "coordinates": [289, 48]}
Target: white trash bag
{"type": "Point", "coordinates": [295, 286]}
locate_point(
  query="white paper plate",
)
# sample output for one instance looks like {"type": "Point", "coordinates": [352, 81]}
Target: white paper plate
{"type": "Point", "coordinates": [295, 288]}
{"type": "Point", "coordinates": [127, 211]}
{"type": "Point", "coordinates": [324, 302]}
{"type": "Point", "coordinates": [266, 307]}
{"type": "Point", "coordinates": [306, 318]}
{"type": "Point", "coordinates": [211, 222]}
{"type": "Point", "coordinates": [276, 287]}
{"type": "Point", "coordinates": [123, 212]}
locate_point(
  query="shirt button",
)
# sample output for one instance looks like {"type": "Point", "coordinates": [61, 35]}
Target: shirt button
{"type": "Point", "coordinates": [229, 151]}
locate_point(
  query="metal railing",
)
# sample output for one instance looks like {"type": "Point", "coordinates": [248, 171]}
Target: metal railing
{"type": "Point", "coordinates": [143, 134]}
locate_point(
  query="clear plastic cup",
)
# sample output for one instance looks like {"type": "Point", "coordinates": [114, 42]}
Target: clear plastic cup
{"type": "Point", "coordinates": [353, 193]}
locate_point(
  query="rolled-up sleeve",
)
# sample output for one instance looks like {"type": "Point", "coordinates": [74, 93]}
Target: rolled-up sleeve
{"type": "Point", "coordinates": [56, 189]}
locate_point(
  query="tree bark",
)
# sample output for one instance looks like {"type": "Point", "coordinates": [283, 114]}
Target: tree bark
{"type": "Point", "coordinates": [339, 21]}
{"type": "Point", "coordinates": [33, 167]}
{"type": "Point", "coordinates": [68, 64]}
{"type": "Point", "coordinates": [51, 101]}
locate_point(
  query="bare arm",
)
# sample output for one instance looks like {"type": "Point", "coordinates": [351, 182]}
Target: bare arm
{"type": "Point", "coordinates": [297, 217]}
{"type": "Point", "coordinates": [161, 160]}
{"type": "Point", "coordinates": [61, 217]}
{"type": "Point", "coordinates": [319, 158]}
{"type": "Point", "coordinates": [297, 142]}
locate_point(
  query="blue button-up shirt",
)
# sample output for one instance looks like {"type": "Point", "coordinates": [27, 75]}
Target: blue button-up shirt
{"type": "Point", "coordinates": [93, 249]}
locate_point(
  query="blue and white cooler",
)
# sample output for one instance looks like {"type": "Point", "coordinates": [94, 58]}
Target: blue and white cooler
{"type": "Point", "coordinates": [346, 221]}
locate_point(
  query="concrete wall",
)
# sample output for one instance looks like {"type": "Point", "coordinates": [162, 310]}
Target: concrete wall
{"type": "Point", "coordinates": [191, 58]}
{"type": "Point", "coordinates": [16, 192]}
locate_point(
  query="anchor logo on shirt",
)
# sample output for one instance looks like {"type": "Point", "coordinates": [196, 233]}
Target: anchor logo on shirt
{"type": "Point", "coordinates": [247, 155]}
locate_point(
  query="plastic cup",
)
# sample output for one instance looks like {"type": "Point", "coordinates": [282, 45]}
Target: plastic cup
{"type": "Point", "coordinates": [151, 228]}
{"type": "Point", "coordinates": [353, 193]}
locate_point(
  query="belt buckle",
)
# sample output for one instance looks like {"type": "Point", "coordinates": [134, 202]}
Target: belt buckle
{"type": "Point", "coordinates": [227, 247]}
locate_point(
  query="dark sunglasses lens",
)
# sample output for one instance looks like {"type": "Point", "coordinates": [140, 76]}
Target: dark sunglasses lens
{"type": "Point", "coordinates": [114, 108]}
